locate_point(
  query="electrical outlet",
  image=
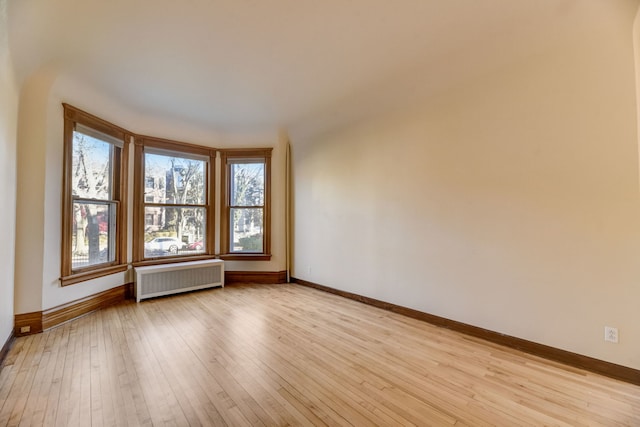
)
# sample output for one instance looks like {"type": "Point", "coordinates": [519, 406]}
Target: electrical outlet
{"type": "Point", "coordinates": [610, 334]}
{"type": "Point", "coordinates": [25, 329]}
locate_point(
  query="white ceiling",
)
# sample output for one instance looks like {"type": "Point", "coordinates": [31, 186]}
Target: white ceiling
{"type": "Point", "coordinates": [262, 65]}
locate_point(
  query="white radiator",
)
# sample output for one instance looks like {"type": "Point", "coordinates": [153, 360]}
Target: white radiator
{"type": "Point", "coordinates": [165, 279]}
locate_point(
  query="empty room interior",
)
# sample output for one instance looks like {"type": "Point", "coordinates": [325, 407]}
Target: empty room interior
{"type": "Point", "coordinates": [363, 212]}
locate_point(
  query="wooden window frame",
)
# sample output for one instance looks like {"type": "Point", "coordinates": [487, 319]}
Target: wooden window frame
{"type": "Point", "coordinates": [69, 276]}
{"type": "Point", "coordinates": [228, 155]}
{"type": "Point", "coordinates": [142, 142]}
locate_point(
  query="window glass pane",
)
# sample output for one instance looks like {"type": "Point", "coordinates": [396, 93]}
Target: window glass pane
{"type": "Point", "coordinates": [93, 238]}
{"type": "Point", "coordinates": [91, 167]}
{"type": "Point", "coordinates": [246, 229]}
{"type": "Point", "coordinates": [174, 180]}
{"type": "Point", "coordinates": [174, 231]}
{"type": "Point", "coordinates": [247, 184]}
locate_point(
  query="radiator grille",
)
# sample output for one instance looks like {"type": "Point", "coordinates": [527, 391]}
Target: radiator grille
{"type": "Point", "coordinates": [173, 278]}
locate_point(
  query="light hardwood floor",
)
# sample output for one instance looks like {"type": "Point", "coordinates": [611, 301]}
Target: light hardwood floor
{"type": "Point", "coordinates": [288, 355]}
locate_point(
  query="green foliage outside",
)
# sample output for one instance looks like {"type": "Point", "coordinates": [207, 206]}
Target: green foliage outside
{"type": "Point", "coordinates": [251, 243]}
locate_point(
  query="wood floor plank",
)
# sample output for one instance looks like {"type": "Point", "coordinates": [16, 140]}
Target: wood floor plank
{"type": "Point", "coordinates": [62, 412]}
{"type": "Point", "coordinates": [401, 395]}
{"type": "Point", "coordinates": [8, 374]}
{"type": "Point", "coordinates": [174, 358]}
{"type": "Point", "coordinates": [112, 413]}
{"type": "Point", "coordinates": [41, 390]}
{"type": "Point", "coordinates": [17, 400]}
{"type": "Point", "coordinates": [163, 405]}
{"type": "Point", "coordinates": [53, 394]}
{"type": "Point", "coordinates": [320, 389]}
{"type": "Point", "coordinates": [269, 355]}
{"type": "Point", "coordinates": [236, 366]}
{"type": "Point", "coordinates": [135, 409]}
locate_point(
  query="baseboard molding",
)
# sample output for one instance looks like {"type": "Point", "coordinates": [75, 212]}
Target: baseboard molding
{"type": "Point", "coordinates": [259, 277]}
{"type": "Point", "coordinates": [590, 364]}
{"type": "Point", "coordinates": [27, 323]}
{"type": "Point", "coordinates": [43, 320]}
{"type": "Point", "coordinates": [71, 310]}
{"type": "Point", "coordinates": [6, 347]}
{"type": "Point", "coordinates": [38, 321]}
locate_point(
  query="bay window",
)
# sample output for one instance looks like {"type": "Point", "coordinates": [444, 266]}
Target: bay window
{"type": "Point", "coordinates": [173, 197]}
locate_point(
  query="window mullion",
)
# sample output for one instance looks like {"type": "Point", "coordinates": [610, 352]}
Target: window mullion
{"type": "Point", "coordinates": [174, 205]}
{"type": "Point", "coordinates": [90, 200]}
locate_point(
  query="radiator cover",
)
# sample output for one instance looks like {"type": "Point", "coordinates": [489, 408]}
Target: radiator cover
{"type": "Point", "coordinates": [167, 279]}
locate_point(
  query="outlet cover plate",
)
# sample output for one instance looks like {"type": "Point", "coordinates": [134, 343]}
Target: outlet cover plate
{"type": "Point", "coordinates": [611, 334]}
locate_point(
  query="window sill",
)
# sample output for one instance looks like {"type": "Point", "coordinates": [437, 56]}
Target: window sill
{"type": "Point", "coordinates": [83, 276]}
{"type": "Point", "coordinates": [171, 260]}
{"type": "Point", "coordinates": [245, 257]}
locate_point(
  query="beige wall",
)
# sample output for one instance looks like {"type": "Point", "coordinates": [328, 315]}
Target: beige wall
{"type": "Point", "coordinates": [40, 181]}
{"type": "Point", "coordinates": [8, 132]}
{"type": "Point", "coordinates": [511, 204]}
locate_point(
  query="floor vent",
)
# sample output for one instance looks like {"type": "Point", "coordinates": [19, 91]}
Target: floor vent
{"type": "Point", "coordinates": [166, 279]}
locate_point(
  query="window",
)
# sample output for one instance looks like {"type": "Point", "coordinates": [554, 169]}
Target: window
{"type": "Point", "coordinates": [175, 216]}
{"type": "Point", "coordinates": [245, 221]}
{"type": "Point", "coordinates": [173, 195]}
{"type": "Point", "coordinates": [94, 193]}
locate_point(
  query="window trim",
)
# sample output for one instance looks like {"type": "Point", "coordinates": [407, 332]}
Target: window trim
{"type": "Point", "coordinates": [160, 144]}
{"type": "Point", "coordinates": [228, 155]}
{"type": "Point", "coordinates": [73, 116]}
